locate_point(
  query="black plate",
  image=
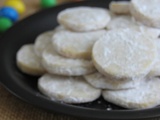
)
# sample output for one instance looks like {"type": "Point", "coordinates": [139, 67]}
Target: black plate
{"type": "Point", "coordinates": [25, 86]}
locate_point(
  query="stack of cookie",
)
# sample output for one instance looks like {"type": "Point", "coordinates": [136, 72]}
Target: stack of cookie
{"type": "Point", "coordinates": [95, 51]}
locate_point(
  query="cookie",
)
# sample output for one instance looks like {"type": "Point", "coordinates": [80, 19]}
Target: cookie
{"type": "Point", "coordinates": [67, 89]}
{"type": "Point", "coordinates": [57, 64]}
{"type": "Point", "coordinates": [119, 7]}
{"type": "Point", "coordinates": [126, 21]}
{"type": "Point", "coordinates": [124, 54]}
{"type": "Point", "coordinates": [123, 21]}
{"type": "Point", "coordinates": [146, 11]}
{"type": "Point", "coordinates": [146, 95]}
{"type": "Point", "coordinates": [28, 62]}
{"type": "Point", "coordinates": [84, 18]}
{"type": "Point", "coordinates": [155, 71]}
{"type": "Point", "coordinates": [42, 41]}
{"type": "Point", "coordinates": [75, 45]}
{"type": "Point", "coordinates": [102, 82]}
{"type": "Point", "coordinates": [148, 31]}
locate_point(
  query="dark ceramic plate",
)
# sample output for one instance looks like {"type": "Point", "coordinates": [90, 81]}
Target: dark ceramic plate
{"type": "Point", "coordinates": [25, 86]}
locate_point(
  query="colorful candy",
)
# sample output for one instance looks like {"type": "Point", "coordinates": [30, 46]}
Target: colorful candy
{"type": "Point", "coordinates": [48, 3]}
{"type": "Point", "coordinates": [10, 13]}
{"type": "Point", "coordinates": [16, 4]}
{"type": "Point", "coordinates": [5, 24]}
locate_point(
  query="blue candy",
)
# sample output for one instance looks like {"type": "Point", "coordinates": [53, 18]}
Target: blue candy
{"type": "Point", "coordinates": [9, 13]}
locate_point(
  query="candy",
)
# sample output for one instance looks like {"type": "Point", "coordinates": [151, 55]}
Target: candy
{"type": "Point", "coordinates": [48, 3]}
{"type": "Point", "coordinates": [5, 24]}
{"type": "Point", "coordinates": [10, 13]}
{"type": "Point", "coordinates": [16, 4]}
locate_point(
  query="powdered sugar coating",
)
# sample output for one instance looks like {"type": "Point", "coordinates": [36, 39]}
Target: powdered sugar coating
{"type": "Point", "coordinates": [148, 31]}
{"type": "Point", "coordinates": [126, 21]}
{"type": "Point", "coordinates": [146, 11]}
{"type": "Point", "coordinates": [123, 21]}
{"type": "Point", "coordinates": [124, 54]}
{"type": "Point", "coordinates": [67, 89]}
{"type": "Point", "coordinates": [76, 45]}
{"type": "Point", "coordinates": [100, 81]}
{"type": "Point", "coordinates": [43, 40]}
{"type": "Point", "coordinates": [84, 18]}
{"type": "Point", "coordinates": [144, 96]}
{"type": "Point", "coordinates": [28, 61]}
{"type": "Point", "coordinates": [56, 64]}
{"type": "Point", "coordinates": [155, 71]}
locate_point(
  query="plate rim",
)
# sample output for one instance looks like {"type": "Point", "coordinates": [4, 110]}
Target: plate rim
{"type": "Point", "coordinates": [76, 111]}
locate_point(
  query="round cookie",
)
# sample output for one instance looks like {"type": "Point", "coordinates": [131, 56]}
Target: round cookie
{"type": "Point", "coordinates": [124, 54]}
{"type": "Point", "coordinates": [84, 18]}
{"type": "Point", "coordinates": [155, 71]}
{"type": "Point", "coordinates": [28, 62]}
{"type": "Point", "coordinates": [126, 21]}
{"type": "Point", "coordinates": [146, 95]}
{"type": "Point", "coordinates": [102, 82]}
{"type": "Point", "coordinates": [123, 21]}
{"type": "Point", "coordinates": [42, 41]}
{"type": "Point", "coordinates": [67, 89]}
{"type": "Point", "coordinates": [119, 7]}
{"type": "Point", "coordinates": [148, 31]}
{"type": "Point", "coordinates": [56, 64]}
{"type": "Point", "coordinates": [146, 11]}
{"type": "Point", "coordinates": [76, 45]}
{"type": "Point", "coordinates": [59, 28]}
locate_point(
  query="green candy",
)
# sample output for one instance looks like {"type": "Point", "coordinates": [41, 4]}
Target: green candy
{"type": "Point", "coordinates": [5, 24]}
{"type": "Point", "coordinates": [48, 3]}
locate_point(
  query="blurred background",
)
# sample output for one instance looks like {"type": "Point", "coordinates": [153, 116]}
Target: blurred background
{"type": "Point", "coordinates": [12, 11]}
{"type": "Point", "coordinates": [33, 6]}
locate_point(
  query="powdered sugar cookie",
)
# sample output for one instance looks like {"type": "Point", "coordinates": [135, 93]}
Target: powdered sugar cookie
{"type": "Point", "coordinates": [119, 7]}
{"type": "Point", "coordinates": [67, 89]}
{"type": "Point", "coordinates": [122, 21]}
{"type": "Point", "coordinates": [155, 71]}
{"type": "Point", "coordinates": [124, 54]}
{"type": "Point", "coordinates": [59, 28]}
{"type": "Point", "coordinates": [102, 82]}
{"type": "Point", "coordinates": [148, 31]}
{"type": "Point", "coordinates": [146, 11]}
{"type": "Point", "coordinates": [125, 21]}
{"type": "Point", "coordinates": [42, 41]}
{"type": "Point", "coordinates": [84, 18]}
{"type": "Point", "coordinates": [144, 96]}
{"type": "Point", "coordinates": [28, 62]}
{"type": "Point", "coordinates": [56, 64]}
{"type": "Point", "coordinates": [75, 45]}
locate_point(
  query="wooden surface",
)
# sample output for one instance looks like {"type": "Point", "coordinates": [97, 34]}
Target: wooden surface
{"type": "Point", "coordinates": [12, 108]}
